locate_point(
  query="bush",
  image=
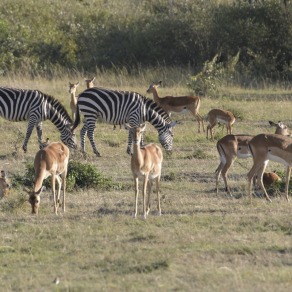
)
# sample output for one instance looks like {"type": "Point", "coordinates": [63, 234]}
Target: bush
{"type": "Point", "coordinates": [79, 175]}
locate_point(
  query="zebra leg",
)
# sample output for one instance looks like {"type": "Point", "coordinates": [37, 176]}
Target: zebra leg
{"type": "Point", "coordinates": [130, 137]}
{"type": "Point", "coordinates": [90, 134]}
{"type": "Point", "coordinates": [83, 133]}
{"type": "Point", "coordinates": [129, 147]}
{"type": "Point", "coordinates": [30, 127]}
{"type": "Point", "coordinates": [39, 129]}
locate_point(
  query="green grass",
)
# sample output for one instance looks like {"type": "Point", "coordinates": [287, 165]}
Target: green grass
{"type": "Point", "coordinates": [202, 242]}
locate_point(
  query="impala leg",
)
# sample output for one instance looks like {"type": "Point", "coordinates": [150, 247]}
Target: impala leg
{"type": "Point", "coordinates": [200, 120]}
{"type": "Point", "coordinates": [209, 128]}
{"type": "Point", "coordinates": [54, 192]}
{"type": "Point", "coordinates": [225, 169]}
{"type": "Point", "coordinates": [260, 174]}
{"type": "Point", "coordinates": [250, 176]}
{"type": "Point", "coordinates": [145, 195]}
{"type": "Point", "coordinates": [158, 196]}
{"type": "Point", "coordinates": [288, 174]}
{"type": "Point", "coordinates": [149, 190]}
{"type": "Point", "coordinates": [64, 189]}
{"type": "Point", "coordinates": [218, 174]}
{"type": "Point", "coordinates": [57, 202]}
{"type": "Point", "coordinates": [136, 181]}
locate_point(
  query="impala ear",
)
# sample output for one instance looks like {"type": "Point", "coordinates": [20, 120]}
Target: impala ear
{"type": "Point", "coordinates": [159, 83]}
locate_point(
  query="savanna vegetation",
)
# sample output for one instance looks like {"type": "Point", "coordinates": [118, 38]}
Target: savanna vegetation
{"type": "Point", "coordinates": [237, 55]}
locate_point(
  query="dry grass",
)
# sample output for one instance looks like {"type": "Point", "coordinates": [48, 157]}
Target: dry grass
{"type": "Point", "coordinates": [202, 242]}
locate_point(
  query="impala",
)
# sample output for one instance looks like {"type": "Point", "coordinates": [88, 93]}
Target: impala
{"type": "Point", "coordinates": [50, 161]}
{"type": "Point", "coordinates": [4, 185]}
{"type": "Point", "coordinates": [146, 163]}
{"type": "Point", "coordinates": [219, 116]}
{"type": "Point", "coordinates": [231, 147]}
{"type": "Point", "coordinates": [89, 82]}
{"type": "Point", "coordinates": [178, 103]}
{"type": "Point", "coordinates": [265, 147]}
{"type": "Point", "coordinates": [73, 102]}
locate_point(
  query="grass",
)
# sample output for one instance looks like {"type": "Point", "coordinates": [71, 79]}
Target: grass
{"type": "Point", "coordinates": [202, 242]}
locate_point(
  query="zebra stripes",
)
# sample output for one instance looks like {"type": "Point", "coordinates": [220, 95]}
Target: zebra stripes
{"type": "Point", "coordinates": [20, 105]}
{"type": "Point", "coordinates": [120, 107]}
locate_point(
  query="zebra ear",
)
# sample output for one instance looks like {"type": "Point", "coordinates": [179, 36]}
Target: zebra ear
{"type": "Point", "coordinates": [127, 127]}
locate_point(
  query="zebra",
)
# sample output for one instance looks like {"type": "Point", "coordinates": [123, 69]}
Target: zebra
{"type": "Point", "coordinates": [120, 107]}
{"type": "Point", "coordinates": [33, 105]}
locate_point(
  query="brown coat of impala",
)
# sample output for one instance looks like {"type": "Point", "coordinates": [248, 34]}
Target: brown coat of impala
{"type": "Point", "coordinates": [216, 116]}
{"type": "Point", "coordinates": [73, 101]}
{"type": "Point", "coordinates": [146, 163]}
{"type": "Point", "coordinates": [89, 82]}
{"type": "Point", "coordinates": [231, 147]}
{"type": "Point", "coordinates": [50, 161]}
{"type": "Point", "coordinates": [265, 147]}
{"type": "Point", "coordinates": [178, 104]}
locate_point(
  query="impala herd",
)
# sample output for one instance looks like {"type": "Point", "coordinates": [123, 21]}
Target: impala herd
{"type": "Point", "coordinates": [146, 160]}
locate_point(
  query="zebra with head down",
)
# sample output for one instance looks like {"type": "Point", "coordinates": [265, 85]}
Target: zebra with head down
{"type": "Point", "coordinates": [20, 105]}
{"type": "Point", "coordinates": [120, 107]}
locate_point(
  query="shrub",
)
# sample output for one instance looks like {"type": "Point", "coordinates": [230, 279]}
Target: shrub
{"type": "Point", "coordinates": [79, 176]}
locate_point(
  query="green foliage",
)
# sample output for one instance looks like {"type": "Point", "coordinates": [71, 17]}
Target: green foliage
{"type": "Point", "coordinates": [213, 75]}
{"type": "Point", "coordinates": [42, 36]}
{"type": "Point", "coordinates": [80, 176]}
{"type": "Point", "coordinates": [87, 176]}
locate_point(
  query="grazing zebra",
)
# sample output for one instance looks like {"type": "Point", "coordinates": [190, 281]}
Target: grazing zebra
{"type": "Point", "coordinates": [120, 107]}
{"type": "Point", "coordinates": [19, 105]}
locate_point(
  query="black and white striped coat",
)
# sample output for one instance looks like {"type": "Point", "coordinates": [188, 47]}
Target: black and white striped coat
{"type": "Point", "coordinates": [20, 105]}
{"type": "Point", "coordinates": [120, 107]}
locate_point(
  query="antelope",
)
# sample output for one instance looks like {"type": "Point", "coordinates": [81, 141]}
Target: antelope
{"type": "Point", "coordinates": [73, 102]}
{"type": "Point", "coordinates": [44, 144]}
{"type": "Point", "coordinates": [89, 82]}
{"type": "Point", "coordinates": [50, 161]}
{"type": "Point", "coordinates": [265, 147]}
{"type": "Point", "coordinates": [178, 103]}
{"type": "Point", "coordinates": [281, 128]}
{"type": "Point", "coordinates": [4, 185]}
{"type": "Point", "coordinates": [146, 163]}
{"type": "Point", "coordinates": [219, 116]}
{"type": "Point", "coordinates": [231, 147]}
{"type": "Point", "coordinates": [269, 178]}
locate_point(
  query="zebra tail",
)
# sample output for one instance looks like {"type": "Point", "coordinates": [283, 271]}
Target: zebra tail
{"type": "Point", "coordinates": [77, 119]}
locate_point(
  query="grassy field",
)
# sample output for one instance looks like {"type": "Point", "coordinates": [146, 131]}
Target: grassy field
{"type": "Point", "coordinates": [202, 242]}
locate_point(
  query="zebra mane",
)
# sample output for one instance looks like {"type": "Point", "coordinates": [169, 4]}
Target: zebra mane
{"type": "Point", "coordinates": [157, 108]}
{"type": "Point", "coordinates": [56, 104]}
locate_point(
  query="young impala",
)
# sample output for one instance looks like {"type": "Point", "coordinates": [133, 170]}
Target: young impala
{"type": "Point", "coordinates": [265, 147]}
{"type": "Point", "coordinates": [231, 147]}
{"type": "Point", "coordinates": [216, 116]}
{"type": "Point", "coordinates": [4, 185]}
{"type": "Point", "coordinates": [73, 102]}
{"type": "Point", "coordinates": [146, 163]}
{"type": "Point", "coordinates": [178, 104]}
{"type": "Point", "coordinates": [50, 161]}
